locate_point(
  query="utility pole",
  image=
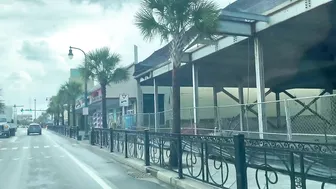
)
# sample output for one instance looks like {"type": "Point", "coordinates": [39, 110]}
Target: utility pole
{"type": "Point", "coordinates": [35, 108]}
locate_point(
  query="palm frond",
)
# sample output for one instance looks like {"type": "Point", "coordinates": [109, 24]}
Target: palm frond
{"type": "Point", "coordinates": [119, 75]}
{"type": "Point", "coordinates": [104, 65]}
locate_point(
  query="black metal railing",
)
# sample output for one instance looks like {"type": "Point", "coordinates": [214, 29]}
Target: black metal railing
{"type": "Point", "coordinates": [228, 162]}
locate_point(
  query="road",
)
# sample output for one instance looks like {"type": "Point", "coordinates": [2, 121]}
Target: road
{"type": "Point", "coordinates": [49, 161]}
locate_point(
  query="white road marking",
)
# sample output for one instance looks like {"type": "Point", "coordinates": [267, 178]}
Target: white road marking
{"type": "Point", "coordinates": [62, 156]}
{"type": "Point", "coordinates": [86, 169]}
{"type": "Point", "coordinates": [3, 148]}
{"type": "Point", "coordinates": [30, 158]}
{"type": "Point", "coordinates": [13, 139]}
{"type": "Point", "coordinates": [56, 146]}
{"type": "Point", "coordinates": [25, 147]}
{"type": "Point", "coordinates": [46, 146]}
{"type": "Point", "coordinates": [47, 157]}
{"type": "Point", "coordinates": [14, 148]}
{"type": "Point", "coordinates": [36, 146]}
{"type": "Point", "coordinates": [15, 159]}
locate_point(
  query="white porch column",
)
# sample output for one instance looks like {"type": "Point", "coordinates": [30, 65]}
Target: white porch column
{"type": "Point", "coordinates": [156, 105]}
{"type": "Point", "coordinates": [242, 107]}
{"type": "Point", "coordinates": [260, 83]}
{"type": "Point", "coordinates": [195, 95]}
{"type": "Point", "coordinates": [139, 105]}
{"type": "Point", "coordinates": [215, 101]}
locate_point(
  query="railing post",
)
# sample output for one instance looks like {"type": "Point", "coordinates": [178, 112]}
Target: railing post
{"type": "Point", "coordinates": [92, 138]}
{"type": "Point", "coordinates": [126, 154]}
{"type": "Point", "coordinates": [179, 154]}
{"type": "Point", "coordinates": [111, 140]}
{"type": "Point", "coordinates": [240, 161]}
{"type": "Point", "coordinates": [101, 138]}
{"type": "Point", "coordinates": [146, 146]}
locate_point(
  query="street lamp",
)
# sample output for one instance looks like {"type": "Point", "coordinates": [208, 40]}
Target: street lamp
{"type": "Point", "coordinates": [70, 55]}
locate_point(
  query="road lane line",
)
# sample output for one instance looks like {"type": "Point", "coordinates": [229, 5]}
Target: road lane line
{"type": "Point", "coordinates": [30, 158]}
{"type": "Point", "coordinates": [46, 146]}
{"type": "Point", "coordinates": [13, 139]}
{"type": "Point", "coordinates": [15, 159]}
{"type": "Point", "coordinates": [14, 148]}
{"type": "Point", "coordinates": [56, 146]}
{"type": "Point", "coordinates": [25, 147]}
{"type": "Point", "coordinates": [36, 146]}
{"type": "Point", "coordinates": [86, 169]}
{"type": "Point", "coordinates": [3, 148]}
{"type": "Point", "coordinates": [47, 157]}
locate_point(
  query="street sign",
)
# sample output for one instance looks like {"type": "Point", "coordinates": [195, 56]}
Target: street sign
{"type": "Point", "coordinates": [85, 111]}
{"type": "Point", "coordinates": [123, 100]}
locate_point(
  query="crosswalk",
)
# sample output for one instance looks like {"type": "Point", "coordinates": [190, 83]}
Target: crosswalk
{"type": "Point", "coordinates": [2, 160]}
{"type": "Point", "coordinates": [15, 148]}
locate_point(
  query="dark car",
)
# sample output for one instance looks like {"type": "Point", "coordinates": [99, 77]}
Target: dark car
{"type": "Point", "coordinates": [34, 128]}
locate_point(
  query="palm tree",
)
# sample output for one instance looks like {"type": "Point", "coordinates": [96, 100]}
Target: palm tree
{"type": "Point", "coordinates": [62, 99]}
{"type": "Point", "coordinates": [73, 90]}
{"type": "Point", "coordinates": [2, 106]}
{"type": "Point", "coordinates": [104, 67]}
{"type": "Point", "coordinates": [182, 22]}
{"type": "Point", "coordinates": [53, 109]}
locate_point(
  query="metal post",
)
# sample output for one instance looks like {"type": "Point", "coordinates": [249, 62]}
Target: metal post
{"type": "Point", "coordinates": [86, 129]}
{"type": "Point", "coordinates": [260, 83]}
{"type": "Point", "coordinates": [288, 121]}
{"type": "Point", "coordinates": [156, 117]}
{"type": "Point", "coordinates": [195, 95]}
{"type": "Point", "coordinates": [278, 109]}
{"type": "Point", "coordinates": [111, 140]}
{"type": "Point", "coordinates": [35, 108]}
{"type": "Point", "coordinates": [147, 156]}
{"type": "Point", "coordinates": [240, 161]}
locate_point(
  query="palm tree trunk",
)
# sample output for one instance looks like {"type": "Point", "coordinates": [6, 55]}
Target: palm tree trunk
{"type": "Point", "coordinates": [69, 115]}
{"type": "Point", "coordinates": [104, 114]}
{"type": "Point", "coordinates": [63, 117]}
{"type": "Point", "coordinates": [176, 53]}
{"type": "Point", "coordinates": [73, 114]}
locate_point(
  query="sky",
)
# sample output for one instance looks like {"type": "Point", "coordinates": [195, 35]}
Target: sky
{"type": "Point", "coordinates": [35, 37]}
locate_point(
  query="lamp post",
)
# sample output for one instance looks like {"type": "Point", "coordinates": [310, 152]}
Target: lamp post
{"type": "Point", "coordinates": [85, 87]}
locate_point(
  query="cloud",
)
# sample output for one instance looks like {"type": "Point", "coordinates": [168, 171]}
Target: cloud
{"type": "Point", "coordinates": [36, 34]}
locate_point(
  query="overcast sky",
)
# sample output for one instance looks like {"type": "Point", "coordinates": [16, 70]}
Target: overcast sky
{"type": "Point", "coordinates": [35, 37]}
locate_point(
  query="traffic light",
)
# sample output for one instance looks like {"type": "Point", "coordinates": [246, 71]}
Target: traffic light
{"type": "Point", "coordinates": [21, 109]}
{"type": "Point", "coordinates": [30, 109]}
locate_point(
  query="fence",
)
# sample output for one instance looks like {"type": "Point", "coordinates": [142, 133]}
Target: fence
{"type": "Point", "coordinates": [311, 119]}
{"type": "Point", "coordinates": [227, 162]}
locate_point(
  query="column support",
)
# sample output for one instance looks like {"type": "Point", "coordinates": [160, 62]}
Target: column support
{"type": "Point", "coordinates": [139, 105]}
{"type": "Point", "coordinates": [156, 105]}
{"type": "Point", "coordinates": [195, 95]}
{"type": "Point", "coordinates": [260, 83]}
{"type": "Point", "coordinates": [242, 107]}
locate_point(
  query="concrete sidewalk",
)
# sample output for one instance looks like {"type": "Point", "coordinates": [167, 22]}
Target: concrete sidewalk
{"type": "Point", "coordinates": [161, 174]}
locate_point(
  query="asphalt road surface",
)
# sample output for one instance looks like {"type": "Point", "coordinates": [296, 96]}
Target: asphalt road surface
{"type": "Point", "coordinates": [49, 161]}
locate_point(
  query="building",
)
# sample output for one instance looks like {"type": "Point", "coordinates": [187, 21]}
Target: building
{"type": "Point", "coordinates": [25, 117]}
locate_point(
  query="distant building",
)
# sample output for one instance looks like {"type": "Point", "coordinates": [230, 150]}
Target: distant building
{"type": "Point", "coordinates": [76, 76]}
{"type": "Point", "coordinates": [25, 117]}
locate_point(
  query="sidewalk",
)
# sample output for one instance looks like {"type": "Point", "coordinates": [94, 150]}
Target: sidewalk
{"type": "Point", "coordinates": [161, 174]}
